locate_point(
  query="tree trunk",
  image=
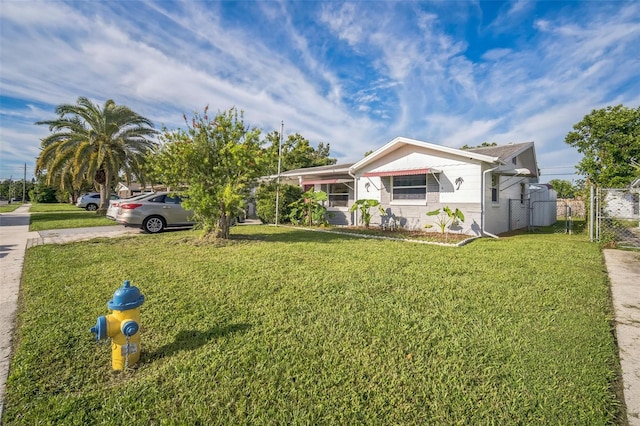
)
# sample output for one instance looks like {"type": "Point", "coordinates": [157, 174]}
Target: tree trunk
{"type": "Point", "coordinates": [105, 194]}
{"type": "Point", "coordinates": [222, 230]}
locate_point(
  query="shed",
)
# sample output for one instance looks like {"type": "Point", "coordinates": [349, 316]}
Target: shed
{"type": "Point", "coordinates": [543, 201]}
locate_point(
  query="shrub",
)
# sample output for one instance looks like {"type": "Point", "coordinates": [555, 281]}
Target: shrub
{"type": "Point", "coordinates": [266, 202]}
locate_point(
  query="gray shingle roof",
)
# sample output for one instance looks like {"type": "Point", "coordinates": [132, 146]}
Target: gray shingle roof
{"type": "Point", "coordinates": [503, 152]}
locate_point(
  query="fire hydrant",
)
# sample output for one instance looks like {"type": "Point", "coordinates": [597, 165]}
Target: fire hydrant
{"type": "Point", "coordinates": [122, 326]}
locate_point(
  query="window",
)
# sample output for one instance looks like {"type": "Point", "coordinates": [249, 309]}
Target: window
{"type": "Point", "coordinates": [514, 160]}
{"type": "Point", "coordinates": [412, 187]}
{"type": "Point", "coordinates": [523, 192]}
{"type": "Point", "coordinates": [495, 188]}
{"type": "Point", "coordinates": [338, 194]}
{"type": "Point", "coordinates": [172, 200]}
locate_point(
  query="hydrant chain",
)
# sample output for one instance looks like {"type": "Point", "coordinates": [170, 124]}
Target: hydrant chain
{"type": "Point", "coordinates": [126, 359]}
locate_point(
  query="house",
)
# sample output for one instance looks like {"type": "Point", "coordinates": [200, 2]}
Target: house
{"type": "Point", "coordinates": [623, 203]}
{"type": "Point", "coordinates": [410, 178]}
{"type": "Point", "coordinates": [336, 180]}
{"type": "Point", "coordinates": [126, 190]}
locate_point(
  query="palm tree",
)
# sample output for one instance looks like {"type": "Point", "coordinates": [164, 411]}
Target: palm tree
{"type": "Point", "coordinates": [96, 144]}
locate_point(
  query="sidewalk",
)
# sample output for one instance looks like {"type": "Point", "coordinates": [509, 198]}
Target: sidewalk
{"type": "Point", "coordinates": [14, 233]}
{"type": "Point", "coordinates": [623, 268]}
{"type": "Point", "coordinates": [624, 273]}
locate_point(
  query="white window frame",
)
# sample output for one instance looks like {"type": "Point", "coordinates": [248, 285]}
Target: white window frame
{"type": "Point", "coordinates": [409, 200]}
{"type": "Point", "coordinates": [333, 195]}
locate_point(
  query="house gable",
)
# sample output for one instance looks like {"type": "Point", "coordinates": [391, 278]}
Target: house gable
{"type": "Point", "coordinates": [387, 151]}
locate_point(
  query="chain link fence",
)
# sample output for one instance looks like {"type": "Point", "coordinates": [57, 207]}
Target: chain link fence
{"type": "Point", "coordinates": [614, 217]}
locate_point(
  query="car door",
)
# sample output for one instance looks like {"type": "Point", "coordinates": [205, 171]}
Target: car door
{"type": "Point", "coordinates": [175, 214]}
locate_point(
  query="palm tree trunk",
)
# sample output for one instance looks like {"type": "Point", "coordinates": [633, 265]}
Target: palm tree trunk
{"type": "Point", "coordinates": [105, 194]}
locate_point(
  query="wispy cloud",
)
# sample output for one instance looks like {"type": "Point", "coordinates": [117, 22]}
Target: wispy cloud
{"type": "Point", "coordinates": [352, 74]}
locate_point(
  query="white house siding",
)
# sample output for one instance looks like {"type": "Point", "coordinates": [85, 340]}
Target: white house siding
{"type": "Point", "coordinates": [497, 214]}
{"type": "Point", "coordinates": [622, 204]}
{"type": "Point", "coordinates": [442, 190]}
{"type": "Point", "coordinates": [369, 188]}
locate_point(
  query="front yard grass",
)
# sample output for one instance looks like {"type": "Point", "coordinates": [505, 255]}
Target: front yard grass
{"type": "Point", "coordinates": [8, 208]}
{"type": "Point", "coordinates": [59, 216]}
{"type": "Point", "coordinates": [285, 326]}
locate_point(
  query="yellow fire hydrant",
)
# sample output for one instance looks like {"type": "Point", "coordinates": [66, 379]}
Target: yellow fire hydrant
{"type": "Point", "coordinates": [122, 326]}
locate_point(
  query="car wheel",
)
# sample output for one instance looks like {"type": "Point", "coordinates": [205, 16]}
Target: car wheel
{"type": "Point", "coordinates": [92, 207]}
{"type": "Point", "coordinates": [153, 224]}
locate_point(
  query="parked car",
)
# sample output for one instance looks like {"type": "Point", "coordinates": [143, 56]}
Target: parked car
{"type": "Point", "coordinates": [154, 213]}
{"type": "Point", "coordinates": [114, 205]}
{"type": "Point", "coordinates": [91, 201]}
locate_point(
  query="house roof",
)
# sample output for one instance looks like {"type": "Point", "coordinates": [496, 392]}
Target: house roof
{"type": "Point", "coordinates": [316, 171]}
{"type": "Point", "coordinates": [503, 152]}
{"type": "Point", "coordinates": [402, 141]}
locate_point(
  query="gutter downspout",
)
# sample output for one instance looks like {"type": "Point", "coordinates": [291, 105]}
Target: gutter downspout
{"type": "Point", "coordinates": [355, 196]}
{"type": "Point", "coordinates": [483, 232]}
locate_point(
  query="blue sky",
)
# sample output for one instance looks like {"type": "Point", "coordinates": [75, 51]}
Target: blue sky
{"type": "Point", "coordinates": [351, 74]}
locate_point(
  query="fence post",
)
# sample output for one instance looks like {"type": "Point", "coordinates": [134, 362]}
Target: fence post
{"type": "Point", "coordinates": [591, 213]}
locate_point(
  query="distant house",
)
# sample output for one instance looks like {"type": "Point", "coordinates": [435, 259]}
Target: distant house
{"type": "Point", "coordinates": [126, 190]}
{"type": "Point", "coordinates": [623, 203]}
{"type": "Point", "coordinates": [410, 178]}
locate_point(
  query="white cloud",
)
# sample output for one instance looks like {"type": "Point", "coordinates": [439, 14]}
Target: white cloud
{"type": "Point", "coordinates": [348, 74]}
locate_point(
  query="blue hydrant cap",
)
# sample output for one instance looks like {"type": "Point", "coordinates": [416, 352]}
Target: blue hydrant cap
{"type": "Point", "coordinates": [100, 329]}
{"type": "Point", "coordinates": [126, 297]}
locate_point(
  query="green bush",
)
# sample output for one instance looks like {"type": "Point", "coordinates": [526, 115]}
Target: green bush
{"type": "Point", "coordinates": [266, 202]}
{"type": "Point", "coordinates": [43, 194]}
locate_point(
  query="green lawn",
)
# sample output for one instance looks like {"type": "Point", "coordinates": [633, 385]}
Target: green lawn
{"type": "Point", "coordinates": [285, 326]}
{"type": "Point", "coordinates": [59, 216]}
{"type": "Point", "coordinates": [8, 208]}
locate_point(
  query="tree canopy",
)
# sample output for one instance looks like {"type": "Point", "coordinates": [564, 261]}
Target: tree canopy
{"type": "Point", "coordinates": [609, 139]}
{"type": "Point", "coordinates": [482, 145]}
{"type": "Point", "coordinates": [213, 162]}
{"type": "Point", "coordinates": [564, 188]}
{"type": "Point", "coordinates": [90, 143]}
{"type": "Point", "coordinates": [296, 153]}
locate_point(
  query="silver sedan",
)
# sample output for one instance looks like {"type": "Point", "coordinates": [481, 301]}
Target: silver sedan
{"type": "Point", "coordinates": [154, 213]}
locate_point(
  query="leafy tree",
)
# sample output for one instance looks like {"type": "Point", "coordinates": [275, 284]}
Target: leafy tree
{"type": "Point", "coordinates": [10, 188]}
{"type": "Point", "coordinates": [43, 193]}
{"type": "Point", "coordinates": [216, 161]}
{"type": "Point", "coordinates": [609, 139]}
{"type": "Point", "coordinates": [365, 209]}
{"type": "Point", "coordinates": [96, 144]}
{"type": "Point", "coordinates": [296, 153]}
{"type": "Point", "coordinates": [564, 188]}
{"type": "Point", "coordinates": [266, 201]}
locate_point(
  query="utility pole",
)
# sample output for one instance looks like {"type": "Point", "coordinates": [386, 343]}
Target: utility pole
{"type": "Point", "coordinates": [24, 184]}
{"type": "Point", "coordinates": [279, 165]}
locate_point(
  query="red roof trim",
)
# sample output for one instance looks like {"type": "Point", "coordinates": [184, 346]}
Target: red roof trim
{"type": "Point", "coordinates": [398, 173]}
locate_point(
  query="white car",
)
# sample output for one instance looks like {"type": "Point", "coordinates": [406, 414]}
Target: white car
{"type": "Point", "coordinates": [91, 201]}
{"type": "Point", "coordinates": [114, 205]}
